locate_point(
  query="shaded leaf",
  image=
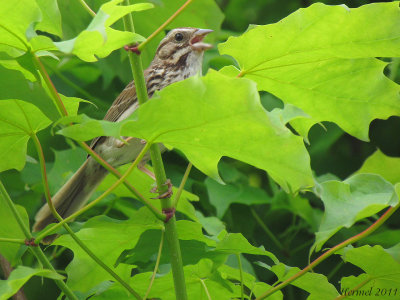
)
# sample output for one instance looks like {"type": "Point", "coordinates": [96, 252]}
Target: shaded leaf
{"type": "Point", "coordinates": [236, 243]}
{"type": "Point", "coordinates": [222, 196]}
{"type": "Point", "coordinates": [19, 276]}
{"type": "Point", "coordinates": [321, 59]}
{"type": "Point", "coordinates": [346, 202]}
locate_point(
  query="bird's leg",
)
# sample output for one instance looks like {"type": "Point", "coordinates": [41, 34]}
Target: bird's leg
{"type": "Point", "coordinates": [146, 171]}
{"type": "Point", "coordinates": [167, 194]}
{"type": "Point", "coordinates": [124, 141]}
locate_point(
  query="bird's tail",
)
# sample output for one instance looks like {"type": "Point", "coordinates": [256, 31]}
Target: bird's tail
{"type": "Point", "coordinates": [73, 195]}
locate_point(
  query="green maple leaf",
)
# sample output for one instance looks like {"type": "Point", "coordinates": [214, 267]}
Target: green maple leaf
{"type": "Point", "coordinates": [322, 59]}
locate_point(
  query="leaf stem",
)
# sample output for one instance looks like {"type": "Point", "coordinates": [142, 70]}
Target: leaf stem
{"type": "Point", "coordinates": [331, 251]}
{"type": "Point", "coordinates": [182, 185]}
{"type": "Point", "coordinates": [8, 240]}
{"type": "Point", "coordinates": [266, 229]}
{"type": "Point", "coordinates": [87, 8]}
{"type": "Point", "coordinates": [65, 225]}
{"type": "Point", "coordinates": [94, 202]}
{"type": "Point", "coordinates": [102, 264]}
{"type": "Point", "coordinates": [36, 250]}
{"type": "Point", "coordinates": [157, 264]}
{"type": "Point", "coordinates": [241, 276]}
{"type": "Point", "coordinates": [118, 175]}
{"type": "Point", "coordinates": [165, 24]}
{"type": "Point", "coordinates": [159, 172]}
{"type": "Point", "coordinates": [51, 87]}
{"type": "Point", "coordinates": [205, 289]}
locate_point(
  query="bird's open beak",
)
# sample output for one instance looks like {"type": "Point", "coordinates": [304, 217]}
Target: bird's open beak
{"type": "Point", "coordinates": [197, 41]}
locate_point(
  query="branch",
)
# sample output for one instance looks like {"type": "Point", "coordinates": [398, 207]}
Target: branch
{"type": "Point", "coordinates": [36, 250]}
{"type": "Point", "coordinates": [331, 251]}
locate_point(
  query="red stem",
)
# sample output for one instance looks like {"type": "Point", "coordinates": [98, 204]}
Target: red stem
{"type": "Point", "coordinates": [331, 251]}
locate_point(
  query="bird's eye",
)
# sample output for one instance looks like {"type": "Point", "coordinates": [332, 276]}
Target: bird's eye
{"type": "Point", "coordinates": [178, 37]}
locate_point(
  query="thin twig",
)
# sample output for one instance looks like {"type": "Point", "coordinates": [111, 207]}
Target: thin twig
{"type": "Point", "coordinates": [87, 8]}
{"type": "Point", "coordinates": [94, 202]}
{"type": "Point", "coordinates": [205, 288]}
{"type": "Point", "coordinates": [266, 229]}
{"type": "Point", "coordinates": [182, 185]}
{"type": "Point", "coordinates": [331, 251]}
{"type": "Point", "coordinates": [165, 24]}
{"type": "Point", "coordinates": [7, 269]}
{"type": "Point", "coordinates": [241, 276]}
{"type": "Point", "coordinates": [156, 266]}
{"type": "Point", "coordinates": [36, 250]}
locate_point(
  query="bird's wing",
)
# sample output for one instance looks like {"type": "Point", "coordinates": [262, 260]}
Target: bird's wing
{"type": "Point", "coordinates": [119, 106]}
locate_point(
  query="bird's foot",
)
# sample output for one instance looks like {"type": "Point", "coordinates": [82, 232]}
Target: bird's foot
{"type": "Point", "coordinates": [167, 194]}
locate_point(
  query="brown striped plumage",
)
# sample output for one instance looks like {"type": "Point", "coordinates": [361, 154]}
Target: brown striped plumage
{"type": "Point", "coordinates": [178, 57]}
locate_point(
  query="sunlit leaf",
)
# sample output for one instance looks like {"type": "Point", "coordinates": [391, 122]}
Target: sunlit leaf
{"type": "Point", "coordinates": [381, 277]}
{"type": "Point", "coordinates": [99, 39]}
{"type": "Point", "coordinates": [386, 166]}
{"type": "Point", "coordinates": [321, 59]}
{"type": "Point", "coordinates": [51, 18]}
{"type": "Point", "coordinates": [18, 120]}
{"type": "Point", "coordinates": [222, 116]}
{"type": "Point", "coordinates": [107, 238]}
{"type": "Point", "coordinates": [315, 284]}
{"type": "Point", "coordinates": [221, 196]}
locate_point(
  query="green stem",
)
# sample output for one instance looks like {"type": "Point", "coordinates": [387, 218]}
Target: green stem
{"type": "Point", "coordinates": [71, 83]}
{"type": "Point", "coordinates": [331, 251]}
{"type": "Point", "coordinates": [182, 185]}
{"type": "Point", "coordinates": [103, 265]}
{"type": "Point", "coordinates": [36, 250]}
{"type": "Point", "coordinates": [46, 188]}
{"type": "Point", "coordinates": [159, 172]}
{"type": "Point", "coordinates": [118, 175]}
{"type": "Point", "coordinates": [205, 289]}
{"type": "Point", "coordinates": [87, 8]}
{"type": "Point", "coordinates": [61, 221]}
{"type": "Point", "coordinates": [241, 276]}
{"type": "Point", "coordinates": [266, 229]}
{"type": "Point", "coordinates": [8, 240]}
{"type": "Point", "coordinates": [50, 86]}
{"type": "Point", "coordinates": [165, 24]}
{"type": "Point", "coordinates": [156, 266]}
{"type": "Point", "coordinates": [94, 202]}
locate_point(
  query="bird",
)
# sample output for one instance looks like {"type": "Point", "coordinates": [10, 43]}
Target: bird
{"type": "Point", "coordinates": [178, 56]}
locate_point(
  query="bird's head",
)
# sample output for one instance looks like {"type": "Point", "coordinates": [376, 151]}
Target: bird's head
{"type": "Point", "coordinates": [182, 46]}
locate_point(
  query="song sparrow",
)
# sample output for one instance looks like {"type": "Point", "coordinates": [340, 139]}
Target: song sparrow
{"type": "Point", "coordinates": [178, 57]}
